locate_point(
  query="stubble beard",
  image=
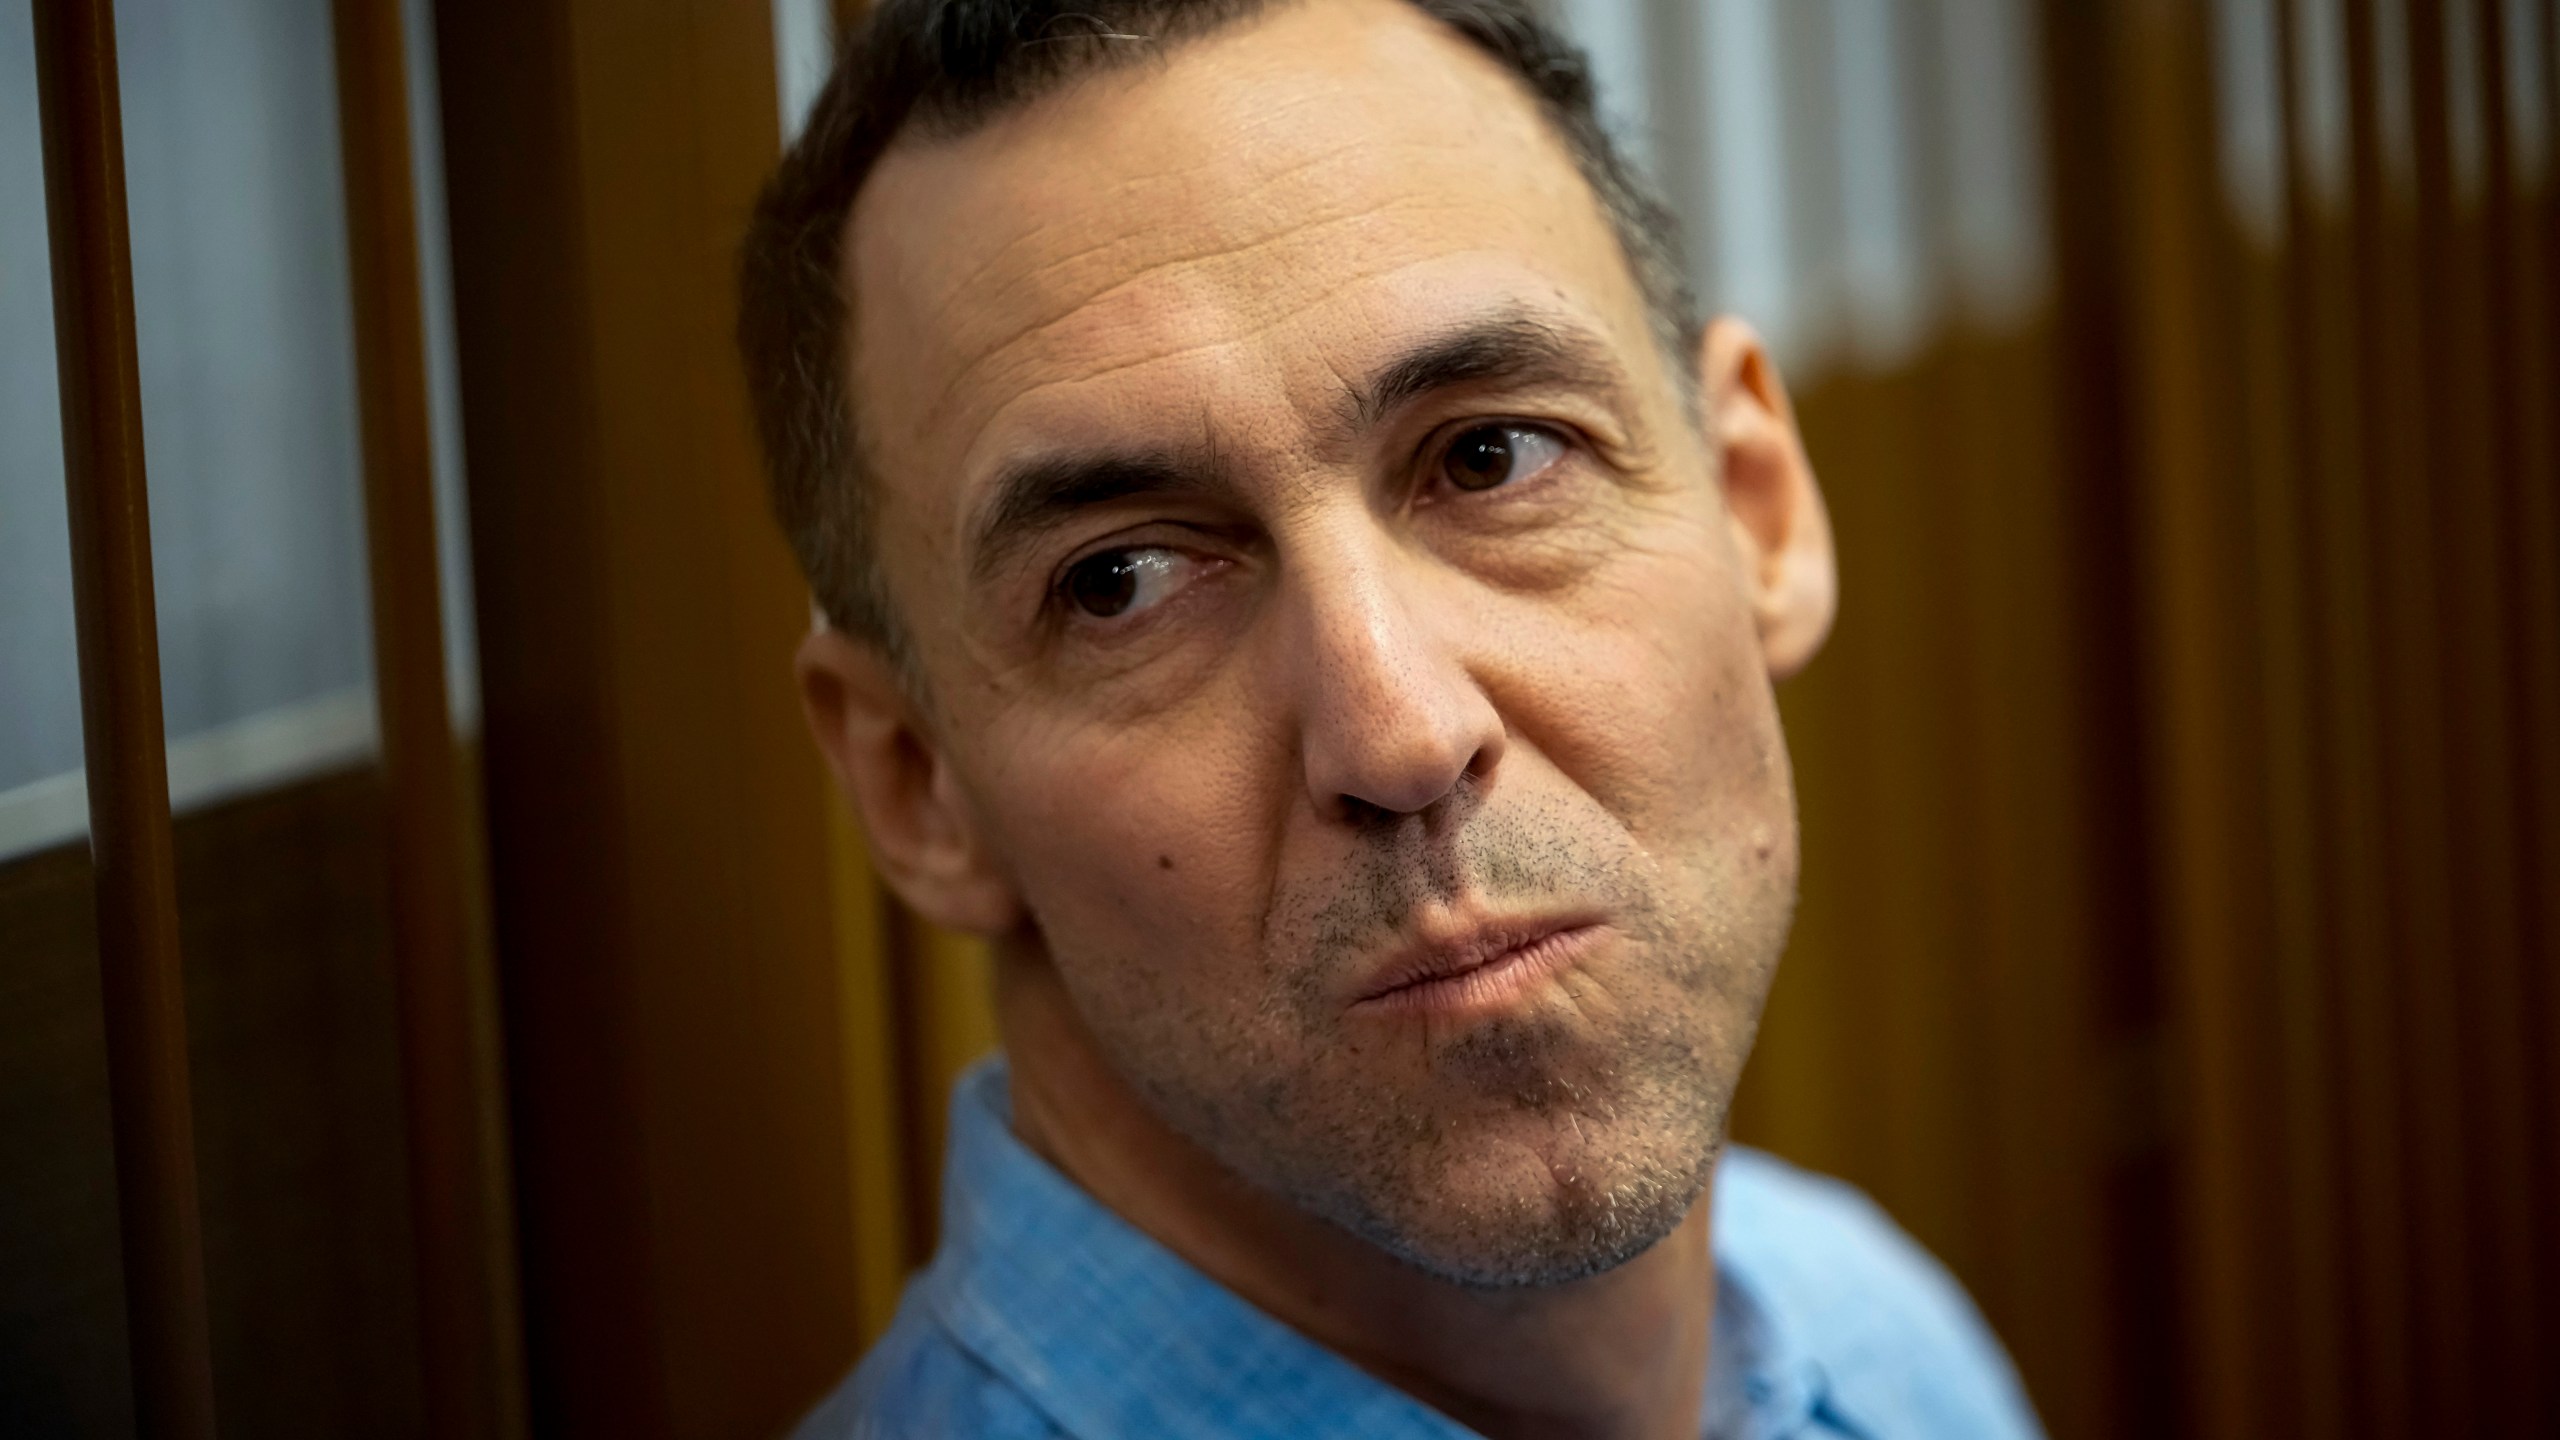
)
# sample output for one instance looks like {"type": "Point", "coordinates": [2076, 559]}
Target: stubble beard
{"type": "Point", "coordinates": [1624, 1158]}
{"type": "Point", "coordinates": [1537, 1148]}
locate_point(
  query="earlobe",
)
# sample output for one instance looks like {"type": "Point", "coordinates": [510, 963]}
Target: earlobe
{"type": "Point", "coordinates": [922, 835]}
{"type": "Point", "coordinates": [1779, 524]}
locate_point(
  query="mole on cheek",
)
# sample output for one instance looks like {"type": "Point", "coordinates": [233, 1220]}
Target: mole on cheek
{"type": "Point", "coordinates": [1164, 862]}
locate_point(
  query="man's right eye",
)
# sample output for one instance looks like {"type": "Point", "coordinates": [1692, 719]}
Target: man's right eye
{"type": "Point", "coordinates": [1114, 583]}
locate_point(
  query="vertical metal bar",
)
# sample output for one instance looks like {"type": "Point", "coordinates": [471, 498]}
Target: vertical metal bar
{"type": "Point", "coordinates": [146, 1017]}
{"type": "Point", "coordinates": [465, 1279]}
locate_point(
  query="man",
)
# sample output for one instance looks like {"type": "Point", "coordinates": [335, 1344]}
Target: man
{"type": "Point", "coordinates": [1300, 577]}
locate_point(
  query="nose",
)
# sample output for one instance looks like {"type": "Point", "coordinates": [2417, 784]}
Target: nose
{"type": "Point", "coordinates": [1390, 719]}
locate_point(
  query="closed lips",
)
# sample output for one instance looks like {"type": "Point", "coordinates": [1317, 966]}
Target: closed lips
{"type": "Point", "coordinates": [1482, 967]}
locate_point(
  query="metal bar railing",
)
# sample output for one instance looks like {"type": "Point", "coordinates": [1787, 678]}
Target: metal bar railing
{"type": "Point", "coordinates": [145, 993]}
{"type": "Point", "coordinates": [466, 1294]}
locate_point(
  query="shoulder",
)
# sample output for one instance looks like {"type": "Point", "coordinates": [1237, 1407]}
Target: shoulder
{"type": "Point", "coordinates": [1896, 1341]}
{"type": "Point", "coordinates": [920, 1382]}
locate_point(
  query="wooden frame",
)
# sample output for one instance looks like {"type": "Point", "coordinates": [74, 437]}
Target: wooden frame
{"type": "Point", "coordinates": [120, 717]}
{"type": "Point", "coordinates": [469, 1331]}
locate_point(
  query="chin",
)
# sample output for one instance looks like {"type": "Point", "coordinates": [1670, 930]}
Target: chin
{"type": "Point", "coordinates": [1531, 1199]}
{"type": "Point", "coordinates": [1517, 1231]}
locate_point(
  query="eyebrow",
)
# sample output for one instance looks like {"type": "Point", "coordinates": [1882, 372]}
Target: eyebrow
{"type": "Point", "coordinates": [1505, 348]}
{"type": "Point", "coordinates": [1038, 495]}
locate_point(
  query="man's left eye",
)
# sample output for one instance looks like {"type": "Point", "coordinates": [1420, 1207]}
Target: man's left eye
{"type": "Point", "coordinates": [1485, 456]}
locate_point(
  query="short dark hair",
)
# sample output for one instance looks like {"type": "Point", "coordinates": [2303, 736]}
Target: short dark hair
{"type": "Point", "coordinates": [947, 67]}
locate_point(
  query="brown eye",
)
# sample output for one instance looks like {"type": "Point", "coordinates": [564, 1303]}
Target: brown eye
{"type": "Point", "coordinates": [1485, 456]}
{"type": "Point", "coordinates": [1116, 582]}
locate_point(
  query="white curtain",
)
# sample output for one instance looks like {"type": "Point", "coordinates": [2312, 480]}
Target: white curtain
{"type": "Point", "coordinates": [1855, 174]}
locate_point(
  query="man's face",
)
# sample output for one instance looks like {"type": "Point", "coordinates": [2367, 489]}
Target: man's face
{"type": "Point", "coordinates": [1321, 586]}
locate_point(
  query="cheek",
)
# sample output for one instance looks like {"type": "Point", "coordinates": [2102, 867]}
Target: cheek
{"type": "Point", "coordinates": [1648, 689]}
{"type": "Point", "coordinates": [1143, 854]}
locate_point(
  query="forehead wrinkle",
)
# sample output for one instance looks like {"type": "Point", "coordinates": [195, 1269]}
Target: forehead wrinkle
{"type": "Point", "coordinates": [1290, 315]}
{"type": "Point", "coordinates": [1219, 164]}
{"type": "Point", "coordinates": [947, 394]}
{"type": "Point", "coordinates": [965, 283]}
{"type": "Point", "coordinates": [971, 282]}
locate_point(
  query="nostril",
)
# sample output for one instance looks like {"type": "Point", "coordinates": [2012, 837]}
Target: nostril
{"type": "Point", "coordinates": [1462, 795]}
{"type": "Point", "coordinates": [1361, 814]}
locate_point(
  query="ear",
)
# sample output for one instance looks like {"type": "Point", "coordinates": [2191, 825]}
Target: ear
{"type": "Point", "coordinates": [924, 836]}
{"type": "Point", "coordinates": [1779, 525]}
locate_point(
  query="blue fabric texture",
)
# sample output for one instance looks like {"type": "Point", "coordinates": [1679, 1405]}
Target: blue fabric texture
{"type": "Point", "coordinates": [1045, 1316]}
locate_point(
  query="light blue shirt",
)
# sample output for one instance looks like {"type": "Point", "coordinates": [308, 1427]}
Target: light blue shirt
{"type": "Point", "coordinates": [1045, 1316]}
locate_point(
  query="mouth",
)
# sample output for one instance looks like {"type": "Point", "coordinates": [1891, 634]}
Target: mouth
{"type": "Point", "coordinates": [1481, 967]}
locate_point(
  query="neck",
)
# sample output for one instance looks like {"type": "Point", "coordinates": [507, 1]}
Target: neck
{"type": "Point", "coordinates": [1622, 1354]}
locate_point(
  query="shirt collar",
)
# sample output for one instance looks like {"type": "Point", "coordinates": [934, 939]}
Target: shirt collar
{"type": "Point", "coordinates": [1111, 1334]}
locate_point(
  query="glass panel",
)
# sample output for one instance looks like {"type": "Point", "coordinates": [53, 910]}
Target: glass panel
{"type": "Point", "coordinates": [1748, 148]}
{"type": "Point", "coordinates": [803, 50]}
{"type": "Point", "coordinates": [444, 382]}
{"type": "Point", "coordinates": [2248, 95]}
{"type": "Point", "coordinates": [1890, 294]}
{"type": "Point", "coordinates": [249, 410]}
{"type": "Point", "coordinates": [1820, 130]}
{"type": "Point", "coordinates": [2320, 95]}
{"type": "Point", "coordinates": [1616, 35]}
{"type": "Point", "coordinates": [2529, 126]}
{"type": "Point", "coordinates": [39, 660]}
{"type": "Point", "coordinates": [2465, 118]}
{"type": "Point", "coordinates": [1993, 212]}
{"type": "Point", "coordinates": [2391, 99]}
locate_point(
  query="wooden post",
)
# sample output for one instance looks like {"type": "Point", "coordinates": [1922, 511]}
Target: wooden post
{"type": "Point", "coordinates": [457, 1171]}
{"type": "Point", "coordinates": [146, 1017]}
{"type": "Point", "coordinates": [659, 831]}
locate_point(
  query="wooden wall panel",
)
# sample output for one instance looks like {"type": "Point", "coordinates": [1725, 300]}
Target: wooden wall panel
{"type": "Point", "coordinates": [284, 914]}
{"type": "Point", "coordinates": [946, 1010]}
{"type": "Point", "coordinates": [2353, 871]}
{"type": "Point", "coordinates": [2306, 1356]}
{"type": "Point", "coordinates": [2523, 216]}
{"type": "Point", "coordinates": [1937, 1034]}
{"type": "Point", "coordinates": [285, 905]}
{"type": "Point", "coordinates": [64, 1369]}
{"type": "Point", "coordinates": [659, 831]}
{"type": "Point", "coordinates": [878, 1089]}
{"type": "Point", "coordinates": [2188, 527]}
{"type": "Point", "coordinates": [2481, 1009]}
{"type": "Point", "coordinates": [2284, 747]}
{"type": "Point", "coordinates": [2408, 633]}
